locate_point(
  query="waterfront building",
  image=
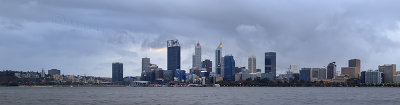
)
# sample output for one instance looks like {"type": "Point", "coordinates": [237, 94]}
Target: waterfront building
{"type": "Point", "coordinates": [389, 70]}
{"type": "Point", "coordinates": [180, 75]}
{"type": "Point", "coordinates": [318, 74]}
{"type": "Point", "coordinates": [168, 75]}
{"type": "Point", "coordinates": [54, 72]}
{"type": "Point", "coordinates": [252, 64]}
{"type": "Point", "coordinates": [218, 60]}
{"type": "Point", "coordinates": [270, 63]}
{"type": "Point", "coordinates": [396, 78]}
{"type": "Point", "coordinates": [350, 72]}
{"type": "Point", "coordinates": [354, 69]}
{"type": "Point", "coordinates": [173, 55]}
{"type": "Point", "coordinates": [158, 75]}
{"type": "Point", "coordinates": [305, 74]}
{"type": "Point", "coordinates": [331, 70]}
{"type": "Point", "coordinates": [229, 65]}
{"type": "Point", "coordinates": [371, 77]}
{"type": "Point", "coordinates": [117, 72]}
{"type": "Point", "coordinates": [197, 56]}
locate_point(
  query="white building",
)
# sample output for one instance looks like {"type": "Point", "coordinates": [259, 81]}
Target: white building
{"type": "Point", "coordinates": [252, 64]}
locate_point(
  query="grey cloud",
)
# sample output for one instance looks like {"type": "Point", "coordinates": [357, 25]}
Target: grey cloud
{"type": "Point", "coordinates": [86, 36]}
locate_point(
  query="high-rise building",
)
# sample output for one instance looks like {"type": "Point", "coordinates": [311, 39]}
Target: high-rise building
{"type": "Point", "coordinates": [389, 70]}
{"type": "Point", "coordinates": [174, 55]}
{"type": "Point", "coordinates": [197, 56]}
{"type": "Point", "coordinates": [117, 72]}
{"type": "Point", "coordinates": [318, 74]}
{"type": "Point", "coordinates": [218, 61]}
{"type": "Point", "coordinates": [229, 68]}
{"type": "Point", "coordinates": [207, 64]}
{"type": "Point", "coordinates": [270, 63]}
{"type": "Point", "coordinates": [371, 77]}
{"type": "Point", "coordinates": [222, 66]}
{"type": "Point", "coordinates": [54, 72]}
{"type": "Point", "coordinates": [331, 70]}
{"type": "Point", "coordinates": [356, 63]}
{"type": "Point", "coordinates": [305, 74]}
{"type": "Point", "coordinates": [252, 64]}
{"type": "Point", "coordinates": [147, 74]}
{"type": "Point", "coordinates": [145, 64]}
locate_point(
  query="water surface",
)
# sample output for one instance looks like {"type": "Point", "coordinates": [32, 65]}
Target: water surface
{"type": "Point", "coordinates": [199, 95]}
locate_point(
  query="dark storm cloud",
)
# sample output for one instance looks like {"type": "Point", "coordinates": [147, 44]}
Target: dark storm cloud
{"type": "Point", "coordinates": [84, 37]}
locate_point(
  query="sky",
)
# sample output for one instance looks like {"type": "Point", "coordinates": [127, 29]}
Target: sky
{"type": "Point", "coordinates": [84, 37]}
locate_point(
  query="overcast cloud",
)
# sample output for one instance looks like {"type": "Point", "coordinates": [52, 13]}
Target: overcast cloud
{"type": "Point", "coordinates": [86, 36]}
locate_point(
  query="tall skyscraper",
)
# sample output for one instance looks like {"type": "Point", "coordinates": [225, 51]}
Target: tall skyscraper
{"type": "Point", "coordinates": [229, 68]}
{"type": "Point", "coordinates": [270, 63]}
{"type": "Point", "coordinates": [252, 64]}
{"type": "Point", "coordinates": [145, 64]}
{"type": "Point", "coordinates": [356, 63]}
{"type": "Point", "coordinates": [197, 56]}
{"type": "Point", "coordinates": [207, 64]}
{"type": "Point", "coordinates": [331, 70]}
{"type": "Point", "coordinates": [388, 71]}
{"type": "Point", "coordinates": [218, 61]}
{"type": "Point", "coordinates": [117, 72]}
{"type": "Point", "coordinates": [174, 55]}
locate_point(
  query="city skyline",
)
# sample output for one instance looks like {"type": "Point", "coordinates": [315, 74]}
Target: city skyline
{"type": "Point", "coordinates": [78, 43]}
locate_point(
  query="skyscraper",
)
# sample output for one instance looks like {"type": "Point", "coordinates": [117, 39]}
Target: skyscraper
{"type": "Point", "coordinates": [229, 68]}
{"type": "Point", "coordinates": [252, 64]}
{"type": "Point", "coordinates": [174, 55]}
{"type": "Point", "coordinates": [145, 64]}
{"type": "Point", "coordinates": [270, 63]}
{"type": "Point", "coordinates": [197, 56]}
{"type": "Point", "coordinates": [218, 58]}
{"type": "Point", "coordinates": [331, 70]}
{"type": "Point", "coordinates": [207, 64]}
{"type": "Point", "coordinates": [356, 63]}
{"type": "Point", "coordinates": [388, 71]}
{"type": "Point", "coordinates": [117, 72]}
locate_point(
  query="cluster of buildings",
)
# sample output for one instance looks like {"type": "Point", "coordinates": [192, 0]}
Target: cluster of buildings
{"type": "Point", "coordinates": [55, 76]}
{"type": "Point", "coordinates": [202, 70]}
{"type": "Point", "coordinates": [385, 74]}
{"type": "Point", "coordinates": [224, 69]}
